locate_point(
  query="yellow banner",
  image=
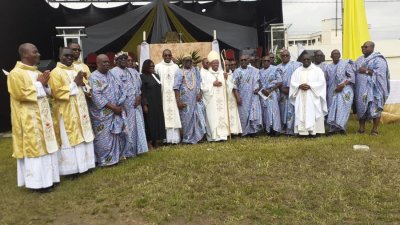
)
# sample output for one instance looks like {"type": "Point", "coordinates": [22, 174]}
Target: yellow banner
{"type": "Point", "coordinates": [186, 36]}
{"type": "Point", "coordinates": [138, 36]}
{"type": "Point", "coordinates": [355, 28]}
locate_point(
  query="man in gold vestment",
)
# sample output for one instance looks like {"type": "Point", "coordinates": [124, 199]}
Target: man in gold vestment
{"type": "Point", "coordinates": [71, 116]}
{"type": "Point", "coordinates": [34, 141]}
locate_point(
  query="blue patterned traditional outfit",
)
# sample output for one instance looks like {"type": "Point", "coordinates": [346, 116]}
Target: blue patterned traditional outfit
{"type": "Point", "coordinates": [134, 135]}
{"type": "Point", "coordinates": [246, 81]}
{"type": "Point", "coordinates": [270, 107]}
{"type": "Point", "coordinates": [323, 66]}
{"type": "Point", "coordinates": [107, 126]}
{"type": "Point", "coordinates": [188, 83]}
{"type": "Point", "coordinates": [371, 92]}
{"type": "Point", "coordinates": [339, 103]}
{"type": "Point", "coordinates": [285, 71]}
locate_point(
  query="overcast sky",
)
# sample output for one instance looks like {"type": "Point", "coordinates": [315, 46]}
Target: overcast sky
{"type": "Point", "coordinates": [306, 15]}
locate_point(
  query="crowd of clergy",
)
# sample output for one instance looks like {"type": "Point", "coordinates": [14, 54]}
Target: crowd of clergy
{"type": "Point", "coordinates": [69, 120]}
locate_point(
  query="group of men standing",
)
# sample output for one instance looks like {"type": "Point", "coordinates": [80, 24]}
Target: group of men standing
{"type": "Point", "coordinates": [89, 119]}
{"type": "Point", "coordinates": [98, 117]}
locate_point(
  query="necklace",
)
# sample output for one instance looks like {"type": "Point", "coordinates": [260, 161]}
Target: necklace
{"type": "Point", "coordinates": [186, 81]}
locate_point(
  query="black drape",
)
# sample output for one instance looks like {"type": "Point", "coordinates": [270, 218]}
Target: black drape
{"type": "Point", "coordinates": [34, 21]}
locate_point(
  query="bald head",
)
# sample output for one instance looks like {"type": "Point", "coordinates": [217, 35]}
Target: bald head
{"type": "Point", "coordinates": [167, 55]}
{"type": "Point", "coordinates": [66, 56]}
{"type": "Point", "coordinates": [103, 63]}
{"type": "Point", "coordinates": [101, 58]}
{"type": "Point", "coordinates": [76, 50]}
{"type": "Point", "coordinates": [368, 48]}
{"type": "Point", "coordinates": [244, 61]}
{"type": "Point", "coordinates": [205, 63]}
{"type": "Point", "coordinates": [370, 43]}
{"type": "Point", "coordinates": [285, 56]}
{"type": "Point", "coordinates": [306, 60]}
{"type": "Point", "coordinates": [335, 56]}
{"type": "Point", "coordinates": [319, 57]}
{"type": "Point", "coordinates": [29, 54]}
{"type": "Point", "coordinates": [24, 48]}
{"type": "Point", "coordinates": [266, 61]}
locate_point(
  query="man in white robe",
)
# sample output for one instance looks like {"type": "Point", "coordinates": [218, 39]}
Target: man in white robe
{"type": "Point", "coordinates": [214, 90]}
{"type": "Point", "coordinates": [204, 67]}
{"type": "Point", "coordinates": [308, 95]}
{"type": "Point", "coordinates": [166, 69]}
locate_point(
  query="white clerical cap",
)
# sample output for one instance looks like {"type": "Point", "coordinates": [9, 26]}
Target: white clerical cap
{"type": "Point", "coordinates": [213, 55]}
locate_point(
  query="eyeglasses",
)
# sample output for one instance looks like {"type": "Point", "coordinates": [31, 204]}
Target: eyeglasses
{"type": "Point", "coordinates": [122, 58]}
{"type": "Point", "coordinates": [364, 46]}
{"type": "Point", "coordinates": [243, 60]}
{"type": "Point", "coordinates": [167, 55]}
{"type": "Point", "coordinates": [76, 49]}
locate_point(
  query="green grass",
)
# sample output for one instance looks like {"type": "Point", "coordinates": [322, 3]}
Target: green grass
{"type": "Point", "coordinates": [259, 180]}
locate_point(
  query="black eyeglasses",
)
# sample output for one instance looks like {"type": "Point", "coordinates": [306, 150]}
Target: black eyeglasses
{"type": "Point", "coordinates": [76, 49]}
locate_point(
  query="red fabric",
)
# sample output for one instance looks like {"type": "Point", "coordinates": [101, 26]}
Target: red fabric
{"type": "Point", "coordinates": [230, 54]}
{"type": "Point", "coordinates": [111, 56]}
{"type": "Point", "coordinates": [91, 59]}
{"type": "Point", "coordinates": [259, 52]}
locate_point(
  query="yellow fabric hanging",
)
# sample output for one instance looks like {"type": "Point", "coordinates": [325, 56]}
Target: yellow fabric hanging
{"type": "Point", "coordinates": [138, 36]}
{"type": "Point", "coordinates": [186, 37]}
{"type": "Point", "coordinates": [391, 113]}
{"type": "Point", "coordinates": [355, 28]}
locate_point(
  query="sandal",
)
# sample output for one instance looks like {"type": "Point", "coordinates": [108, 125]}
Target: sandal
{"type": "Point", "coordinates": [374, 133]}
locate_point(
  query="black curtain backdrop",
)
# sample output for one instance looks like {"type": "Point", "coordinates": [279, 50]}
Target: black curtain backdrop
{"type": "Point", "coordinates": [23, 21]}
{"type": "Point", "coordinates": [34, 21]}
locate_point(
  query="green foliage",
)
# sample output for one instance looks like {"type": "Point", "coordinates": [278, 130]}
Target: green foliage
{"type": "Point", "coordinates": [262, 180]}
{"type": "Point", "coordinates": [278, 59]}
{"type": "Point", "coordinates": [195, 57]}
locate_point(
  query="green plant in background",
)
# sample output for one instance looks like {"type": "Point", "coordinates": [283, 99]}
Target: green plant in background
{"type": "Point", "coordinates": [195, 56]}
{"type": "Point", "coordinates": [277, 54]}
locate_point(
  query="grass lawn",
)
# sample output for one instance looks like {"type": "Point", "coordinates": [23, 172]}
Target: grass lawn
{"type": "Point", "coordinates": [260, 180]}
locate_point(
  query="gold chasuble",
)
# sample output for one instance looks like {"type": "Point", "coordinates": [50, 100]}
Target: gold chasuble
{"type": "Point", "coordinates": [32, 125]}
{"type": "Point", "coordinates": [80, 66]}
{"type": "Point", "coordinates": [72, 108]}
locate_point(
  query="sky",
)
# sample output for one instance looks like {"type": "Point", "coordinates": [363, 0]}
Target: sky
{"type": "Point", "coordinates": [305, 16]}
